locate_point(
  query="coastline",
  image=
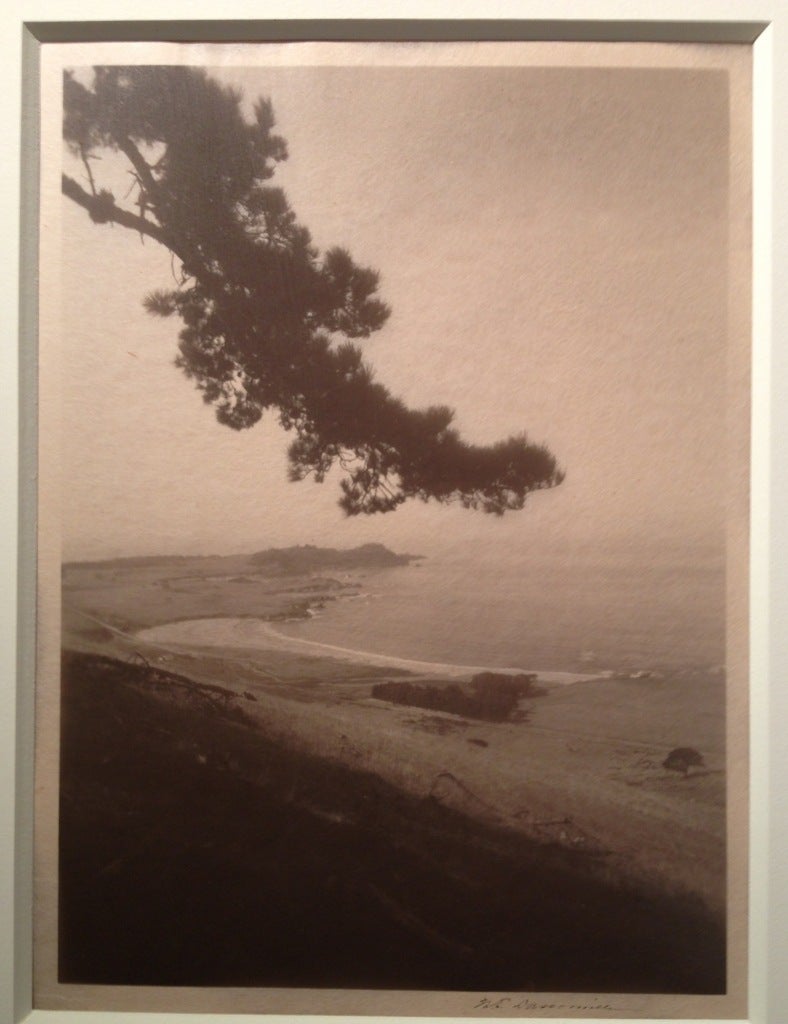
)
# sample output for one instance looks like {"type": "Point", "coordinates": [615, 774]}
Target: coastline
{"type": "Point", "coordinates": [580, 768]}
{"type": "Point", "coordinates": [185, 633]}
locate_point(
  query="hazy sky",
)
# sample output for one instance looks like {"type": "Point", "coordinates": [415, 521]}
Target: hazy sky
{"type": "Point", "coordinates": [553, 244]}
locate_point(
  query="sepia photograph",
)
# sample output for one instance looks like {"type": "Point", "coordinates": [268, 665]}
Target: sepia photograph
{"type": "Point", "coordinates": [394, 453]}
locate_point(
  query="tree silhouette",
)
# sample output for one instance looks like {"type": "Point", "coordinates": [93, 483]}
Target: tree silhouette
{"type": "Point", "coordinates": [682, 759]}
{"type": "Point", "coordinates": [269, 321]}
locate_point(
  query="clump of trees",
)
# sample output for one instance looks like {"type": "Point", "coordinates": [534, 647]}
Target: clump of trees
{"type": "Point", "coordinates": [493, 697]}
{"type": "Point", "coordinates": [521, 684]}
{"type": "Point", "coordinates": [267, 320]}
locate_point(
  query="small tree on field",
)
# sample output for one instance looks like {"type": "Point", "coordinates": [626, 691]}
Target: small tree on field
{"type": "Point", "coordinates": [268, 322]}
{"type": "Point", "coordinates": [681, 759]}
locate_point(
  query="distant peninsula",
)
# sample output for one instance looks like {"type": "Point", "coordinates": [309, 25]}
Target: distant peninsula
{"type": "Point", "coordinates": [302, 558]}
{"type": "Point", "coordinates": [308, 558]}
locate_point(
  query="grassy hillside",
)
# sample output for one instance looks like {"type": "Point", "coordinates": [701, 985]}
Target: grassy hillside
{"type": "Point", "coordinates": [196, 850]}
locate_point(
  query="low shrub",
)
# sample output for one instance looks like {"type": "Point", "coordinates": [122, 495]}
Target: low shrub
{"type": "Point", "coordinates": [523, 684]}
{"type": "Point", "coordinates": [493, 697]}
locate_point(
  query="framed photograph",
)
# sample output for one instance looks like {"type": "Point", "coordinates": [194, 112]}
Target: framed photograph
{"type": "Point", "coordinates": [400, 439]}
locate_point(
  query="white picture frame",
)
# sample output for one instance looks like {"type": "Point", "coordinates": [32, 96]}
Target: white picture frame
{"type": "Point", "coordinates": [763, 24]}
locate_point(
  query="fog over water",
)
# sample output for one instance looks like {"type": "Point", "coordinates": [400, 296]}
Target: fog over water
{"type": "Point", "coordinates": [534, 616]}
{"type": "Point", "coordinates": [553, 245]}
{"type": "Point", "coordinates": [537, 615]}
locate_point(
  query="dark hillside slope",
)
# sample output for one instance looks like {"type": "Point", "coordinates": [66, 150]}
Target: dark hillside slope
{"type": "Point", "coordinates": [195, 851]}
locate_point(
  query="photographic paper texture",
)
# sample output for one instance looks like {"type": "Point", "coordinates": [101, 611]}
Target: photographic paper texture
{"type": "Point", "coordinates": [394, 433]}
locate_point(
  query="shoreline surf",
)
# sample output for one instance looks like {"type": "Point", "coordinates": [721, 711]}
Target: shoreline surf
{"type": "Point", "coordinates": [164, 634]}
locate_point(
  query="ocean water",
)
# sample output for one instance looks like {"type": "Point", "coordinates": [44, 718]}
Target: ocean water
{"type": "Point", "coordinates": [548, 613]}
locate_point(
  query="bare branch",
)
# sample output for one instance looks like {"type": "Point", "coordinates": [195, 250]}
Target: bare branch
{"type": "Point", "coordinates": [138, 162]}
{"type": "Point", "coordinates": [103, 209]}
{"type": "Point", "coordinates": [88, 168]}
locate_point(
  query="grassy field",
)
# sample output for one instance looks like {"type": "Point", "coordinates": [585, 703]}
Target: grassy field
{"type": "Point", "coordinates": [195, 849]}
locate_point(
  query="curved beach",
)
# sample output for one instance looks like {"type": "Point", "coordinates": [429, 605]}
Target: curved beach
{"type": "Point", "coordinates": [258, 633]}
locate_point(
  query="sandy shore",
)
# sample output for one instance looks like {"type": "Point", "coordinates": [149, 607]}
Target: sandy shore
{"type": "Point", "coordinates": [580, 768]}
{"type": "Point", "coordinates": [410, 665]}
{"type": "Point", "coordinates": [245, 633]}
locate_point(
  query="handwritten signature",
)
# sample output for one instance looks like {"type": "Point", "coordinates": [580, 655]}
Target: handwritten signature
{"type": "Point", "coordinates": [510, 1003]}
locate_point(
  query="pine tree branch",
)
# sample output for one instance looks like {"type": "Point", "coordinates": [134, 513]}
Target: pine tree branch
{"type": "Point", "coordinates": [140, 165]}
{"type": "Point", "coordinates": [103, 209]}
{"type": "Point", "coordinates": [86, 162]}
